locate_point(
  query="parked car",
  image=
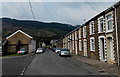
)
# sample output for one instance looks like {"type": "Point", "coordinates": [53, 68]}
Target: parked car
{"type": "Point", "coordinates": [53, 49]}
{"type": "Point", "coordinates": [40, 50]}
{"type": "Point", "coordinates": [64, 52]}
{"type": "Point", "coordinates": [22, 51]}
{"type": "Point", "coordinates": [57, 50]}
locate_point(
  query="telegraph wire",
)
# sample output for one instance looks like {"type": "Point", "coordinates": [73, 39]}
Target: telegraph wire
{"type": "Point", "coordinates": [48, 11]}
{"type": "Point", "coordinates": [24, 9]}
{"type": "Point", "coordinates": [92, 6]}
{"type": "Point", "coordinates": [31, 10]}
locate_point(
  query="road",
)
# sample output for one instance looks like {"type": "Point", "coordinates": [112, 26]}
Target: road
{"type": "Point", "coordinates": [15, 65]}
{"type": "Point", "coordinates": [49, 63]}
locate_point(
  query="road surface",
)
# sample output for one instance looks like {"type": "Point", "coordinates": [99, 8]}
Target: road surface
{"type": "Point", "coordinates": [49, 63]}
{"type": "Point", "coordinates": [16, 65]}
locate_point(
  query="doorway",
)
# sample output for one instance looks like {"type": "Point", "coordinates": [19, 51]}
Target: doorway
{"type": "Point", "coordinates": [102, 49]}
{"type": "Point", "coordinates": [85, 48]}
{"type": "Point", "coordinates": [110, 49]}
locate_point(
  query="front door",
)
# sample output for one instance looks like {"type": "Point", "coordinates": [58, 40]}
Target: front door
{"type": "Point", "coordinates": [110, 54]}
{"type": "Point", "coordinates": [102, 49]}
{"type": "Point", "coordinates": [85, 48]}
{"type": "Point", "coordinates": [111, 49]}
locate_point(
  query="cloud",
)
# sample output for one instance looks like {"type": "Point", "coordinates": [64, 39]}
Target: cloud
{"type": "Point", "coordinates": [66, 12]}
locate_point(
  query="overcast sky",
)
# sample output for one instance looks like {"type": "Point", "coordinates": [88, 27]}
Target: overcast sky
{"type": "Point", "coordinates": [64, 12]}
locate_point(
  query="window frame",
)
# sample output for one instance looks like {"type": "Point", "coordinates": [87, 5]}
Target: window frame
{"type": "Point", "coordinates": [84, 32]}
{"type": "Point", "coordinates": [99, 25]}
{"type": "Point", "coordinates": [80, 45]}
{"type": "Point", "coordinates": [91, 48]}
{"type": "Point", "coordinates": [91, 27]}
{"type": "Point", "coordinates": [111, 19]}
{"type": "Point", "coordinates": [80, 35]}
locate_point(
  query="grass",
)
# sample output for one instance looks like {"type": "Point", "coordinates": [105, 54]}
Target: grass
{"type": "Point", "coordinates": [11, 55]}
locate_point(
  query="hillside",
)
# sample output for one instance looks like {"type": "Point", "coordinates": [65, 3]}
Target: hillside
{"type": "Point", "coordinates": [41, 31]}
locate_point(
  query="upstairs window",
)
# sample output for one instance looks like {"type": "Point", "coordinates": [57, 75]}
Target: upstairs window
{"type": "Point", "coordinates": [101, 24]}
{"type": "Point", "coordinates": [84, 31]}
{"type": "Point", "coordinates": [76, 35]}
{"type": "Point", "coordinates": [80, 33]}
{"type": "Point", "coordinates": [109, 22]}
{"type": "Point", "coordinates": [91, 27]}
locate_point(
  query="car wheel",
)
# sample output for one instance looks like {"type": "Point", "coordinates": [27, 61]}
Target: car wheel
{"type": "Point", "coordinates": [59, 54]}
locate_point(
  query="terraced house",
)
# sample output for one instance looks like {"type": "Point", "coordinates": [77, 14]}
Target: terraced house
{"type": "Point", "coordinates": [98, 38]}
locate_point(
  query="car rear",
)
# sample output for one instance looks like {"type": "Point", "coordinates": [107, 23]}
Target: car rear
{"type": "Point", "coordinates": [22, 51]}
{"type": "Point", "coordinates": [64, 52]}
{"type": "Point", "coordinates": [57, 50]}
{"type": "Point", "coordinates": [39, 50]}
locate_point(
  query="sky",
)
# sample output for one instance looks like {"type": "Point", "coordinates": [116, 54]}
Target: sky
{"type": "Point", "coordinates": [75, 13]}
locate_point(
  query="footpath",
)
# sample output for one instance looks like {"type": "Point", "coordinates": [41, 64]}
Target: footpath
{"type": "Point", "coordinates": [101, 66]}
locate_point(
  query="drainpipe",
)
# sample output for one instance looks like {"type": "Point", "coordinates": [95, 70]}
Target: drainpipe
{"type": "Point", "coordinates": [117, 36]}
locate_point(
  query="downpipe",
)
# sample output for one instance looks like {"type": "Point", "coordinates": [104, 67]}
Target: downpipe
{"type": "Point", "coordinates": [117, 36]}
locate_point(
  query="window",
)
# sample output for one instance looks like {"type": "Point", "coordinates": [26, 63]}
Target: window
{"type": "Point", "coordinates": [80, 33]}
{"type": "Point", "coordinates": [80, 45]}
{"type": "Point", "coordinates": [72, 36]}
{"type": "Point", "coordinates": [84, 31]}
{"type": "Point", "coordinates": [73, 45]}
{"type": "Point", "coordinates": [109, 22]}
{"type": "Point", "coordinates": [92, 44]}
{"type": "Point", "coordinates": [101, 24]}
{"type": "Point", "coordinates": [76, 35]}
{"type": "Point", "coordinates": [91, 27]}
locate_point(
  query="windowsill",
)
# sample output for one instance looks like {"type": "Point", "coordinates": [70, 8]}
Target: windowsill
{"type": "Point", "coordinates": [92, 34]}
{"type": "Point", "coordinates": [92, 50]}
{"type": "Point", "coordinates": [101, 32]}
{"type": "Point", "coordinates": [109, 31]}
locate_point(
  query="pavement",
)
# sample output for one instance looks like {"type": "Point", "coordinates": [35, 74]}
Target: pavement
{"type": "Point", "coordinates": [101, 66]}
{"type": "Point", "coordinates": [50, 63]}
{"type": "Point", "coordinates": [16, 65]}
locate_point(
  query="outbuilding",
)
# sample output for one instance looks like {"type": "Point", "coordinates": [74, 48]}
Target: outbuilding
{"type": "Point", "coordinates": [18, 40]}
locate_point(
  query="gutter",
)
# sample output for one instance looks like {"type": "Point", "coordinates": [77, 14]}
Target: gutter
{"type": "Point", "coordinates": [117, 36]}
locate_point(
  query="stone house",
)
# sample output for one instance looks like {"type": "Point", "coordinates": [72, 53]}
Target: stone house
{"type": "Point", "coordinates": [18, 40]}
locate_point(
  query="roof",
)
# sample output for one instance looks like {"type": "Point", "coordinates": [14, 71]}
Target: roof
{"type": "Point", "coordinates": [107, 10]}
{"type": "Point", "coordinates": [17, 32]}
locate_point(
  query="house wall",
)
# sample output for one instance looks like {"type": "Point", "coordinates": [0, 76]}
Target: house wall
{"type": "Point", "coordinates": [81, 39]}
{"type": "Point", "coordinates": [108, 38]}
{"type": "Point", "coordinates": [13, 40]}
{"type": "Point", "coordinates": [118, 31]}
{"type": "Point", "coordinates": [19, 36]}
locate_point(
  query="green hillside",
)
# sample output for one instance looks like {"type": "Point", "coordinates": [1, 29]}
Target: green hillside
{"type": "Point", "coordinates": [41, 31]}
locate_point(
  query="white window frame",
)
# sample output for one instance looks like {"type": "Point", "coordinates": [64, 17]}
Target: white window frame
{"type": "Point", "coordinates": [80, 45]}
{"type": "Point", "coordinates": [91, 48]}
{"type": "Point", "coordinates": [92, 22]}
{"type": "Point", "coordinates": [107, 22]}
{"type": "Point", "coordinates": [99, 24]}
{"type": "Point", "coordinates": [72, 36]}
{"type": "Point", "coordinates": [80, 33]}
{"type": "Point", "coordinates": [76, 36]}
{"type": "Point", "coordinates": [84, 31]}
{"type": "Point", "coordinates": [100, 47]}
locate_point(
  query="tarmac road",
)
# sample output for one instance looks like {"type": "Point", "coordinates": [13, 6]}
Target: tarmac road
{"type": "Point", "coordinates": [16, 65]}
{"type": "Point", "coordinates": [49, 63]}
